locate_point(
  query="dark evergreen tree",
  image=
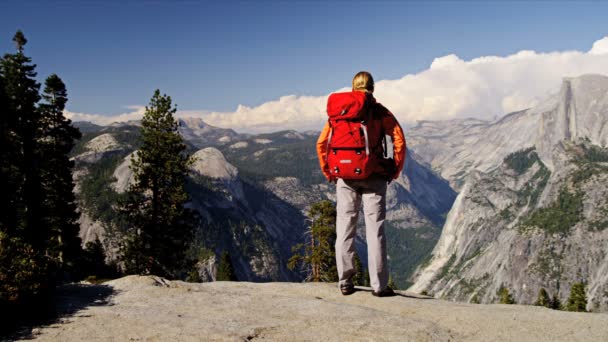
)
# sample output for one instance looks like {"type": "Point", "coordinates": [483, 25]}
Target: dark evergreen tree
{"type": "Point", "coordinates": [225, 269]}
{"type": "Point", "coordinates": [577, 301]}
{"type": "Point", "coordinates": [160, 229]}
{"type": "Point", "coordinates": [94, 263]}
{"type": "Point", "coordinates": [23, 123]}
{"type": "Point", "coordinates": [316, 257]}
{"type": "Point", "coordinates": [60, 214]}
{"type": "Point", "coordinates": [556, 303]}
{"type": "Point", "coordinates": [9, 172]}
{"type": "Point", "coordinates": [23, 263]}
{"type": "Point", "coordinates": [505, 296]}
{"type": "Point", "coordinates": [543, 298]}
{"type": "Point", "coordinates": [358, 279]}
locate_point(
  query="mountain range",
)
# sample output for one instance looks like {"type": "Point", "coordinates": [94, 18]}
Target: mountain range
{"type": "Point", "coordinates": [253, 193]}
{"type": "Point", "coordinates": [480, 205]}
{"type": "Point", "coordinates": [531, 209]}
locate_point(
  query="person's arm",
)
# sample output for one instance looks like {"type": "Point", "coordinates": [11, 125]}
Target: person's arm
{"type": "Point", "coordinates": [393, 129]}
{"type": "Point", "coordinates": [322, 151]}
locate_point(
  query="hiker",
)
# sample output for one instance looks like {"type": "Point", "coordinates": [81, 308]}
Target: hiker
{"type": "Point", "coordinates": [352, 153]}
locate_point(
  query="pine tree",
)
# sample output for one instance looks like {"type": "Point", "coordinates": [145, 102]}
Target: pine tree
{"type": "Point", "coordinates": [225, 270]}
{"type": "Point", "coordinates": [556, 303]}
{"type": "Point", "coordinates": [8, 169]}
{"type": "Point", "coordinates": [317, 256]}
{"type": "Point", "coordinates": [577, 301]}
{"type": "Point", "coordinates": [160, 229]}
{"type": "Point", "coordinates": [24, 267]}
{"type": "Point", "coordinates": [22, 122]}
{"type": "Point", "coordinates": [59, 203]}
{"type": "Point", "coordinates": [505, 296]}
{"type": "Point", "coordinates": [543, 298]}
{"type": "Point", "coordinates": [366, 281]}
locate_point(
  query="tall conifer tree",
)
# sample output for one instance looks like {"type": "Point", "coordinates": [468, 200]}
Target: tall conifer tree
{"type": "Point", "coordinates": [577, 301]}
{"type": "Point", "coordinates": [8, 146]}
{"type": "Point", "coordinates": [23, 264]}
{"type": "Point", "coordinates": [225, 269]}
{"type": "Point", "coordinates": [160, 229]}
{"type": "Point", "coordinates": [23, 120]}
{"type": "Point", "coordinates": [317, 257]}
{"type": "Point", "coordinates": [56, 142]}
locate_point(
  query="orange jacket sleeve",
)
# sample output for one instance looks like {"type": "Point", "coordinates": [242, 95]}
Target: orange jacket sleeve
{"type": "Point", "coordinates": [322, 150]}
{"type": "Point", "coordinates": [393, 129]}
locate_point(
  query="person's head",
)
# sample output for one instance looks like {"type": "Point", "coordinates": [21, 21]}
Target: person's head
{"type": "Point", "coordinates": [363, 81]}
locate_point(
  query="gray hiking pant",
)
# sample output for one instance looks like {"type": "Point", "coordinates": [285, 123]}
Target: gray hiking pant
{"type": "Point", "coordinates": [350, 194]}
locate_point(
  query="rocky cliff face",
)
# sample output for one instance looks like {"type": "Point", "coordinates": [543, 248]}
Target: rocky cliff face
{"type": "Point", "coordinates": [251, 224]}
{"type": "Point", "coordinates": [253, 193]}
{"type": "Point", "coordinates": [537, 217]}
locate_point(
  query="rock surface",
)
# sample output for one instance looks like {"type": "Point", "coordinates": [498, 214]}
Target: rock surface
{"type": "Point", "coordinates": [455, 147]}
{"type": "Point", "coordinates": [155, 309]}
{"type": "Point", "coordinates": [496, 235]}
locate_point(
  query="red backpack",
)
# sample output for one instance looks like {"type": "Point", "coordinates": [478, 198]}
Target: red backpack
{"type": "Point", "coordinates": [351, 152]}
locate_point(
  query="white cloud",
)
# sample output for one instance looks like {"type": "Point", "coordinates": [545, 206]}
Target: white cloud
{"type": "Point", "coordinates": [136, 113]}
{"type": "Point", "coordinates": [483, 87]}
{"type": "Point", "coordinates": [600, 47]}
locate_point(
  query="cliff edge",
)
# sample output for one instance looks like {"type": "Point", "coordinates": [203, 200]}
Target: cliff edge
{"type": "Point", "coordinates": [154, 309]}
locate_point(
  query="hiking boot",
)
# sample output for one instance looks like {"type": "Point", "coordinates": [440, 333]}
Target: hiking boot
{"type": "Point", "coordinates": [347, 289]}
{"type": "Point", "coordinates": [387, 292]}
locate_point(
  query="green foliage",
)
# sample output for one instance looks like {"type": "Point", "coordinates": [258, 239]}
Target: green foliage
{"type": "Point", "coordinates": [316, 257]}
{"type": "Point", "coordinates": [59, 209]}
{"type": "Point", "coordinates": [531, 191]}
{"type": "Point", "coordinates": [23, 127]}
{"type": "Point", "coordinates": [391, 282]}
{"type": "Point", "coordinates": [160, 229]}
{"type": "Point", "coordinates": [411, 246]}
{"type": "Point", "coordinates": [194, 276]}
{"type": "Point", "coordinates": [23, 271]}
{"type": "Point", "coordinates": [98, 198]}
{"type": "Point", "coordinates": [366, 281]}
{"type": "Point", "coordinates": [543, 298]}
{"type": "Point", "coordinates": [39, 242]}
{"type": "Point", "coordinates": [590, 161]}
{"type": "Point", "coordinates": [560, 216]}
{"type": "Point", "coordinates": [521, 161]}
{"type": "Point", "coordinates": [592, 154]}
{"type": "Point", "coordinates": [577, 301]}
{"type": "Point", "coordinates": [225, 269]}
{"type": "Point", "coordinates": [475, 299]}
{"type": "Point", "coordinates": [94, 262]}
{"type": "Point", "coordinates": [358, 279]}
{"type": "Point", "coordinates": [504, 296]}
{"type": "Point", "coordinates": [556, 303]}
{"type": "Point", "coordinates": [295, 158]}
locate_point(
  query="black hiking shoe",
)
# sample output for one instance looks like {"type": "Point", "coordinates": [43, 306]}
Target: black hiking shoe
{"type": "Point", "coordinates": [387, 292]}
{"type": "Point", "coordinates": [347, 289]}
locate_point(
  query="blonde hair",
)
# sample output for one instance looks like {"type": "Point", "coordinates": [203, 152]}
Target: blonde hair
{"type": "Point", "coordinates": [363, 81]}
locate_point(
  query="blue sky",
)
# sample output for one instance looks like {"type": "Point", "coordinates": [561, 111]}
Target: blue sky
{"type": "Point", "coordinates": [215, 56]}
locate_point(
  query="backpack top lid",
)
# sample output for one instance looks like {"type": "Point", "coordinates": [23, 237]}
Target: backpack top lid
{"type": "Point", "coordinates": [347, 105]}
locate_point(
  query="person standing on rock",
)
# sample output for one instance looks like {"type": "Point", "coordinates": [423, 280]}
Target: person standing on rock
{"type": "Point", "coordinates": [352, 151]}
